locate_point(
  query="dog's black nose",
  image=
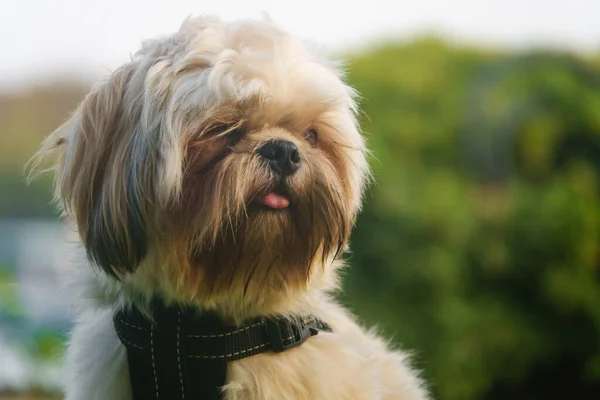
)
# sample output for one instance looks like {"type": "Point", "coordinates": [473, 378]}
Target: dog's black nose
{"type": "Point", "coordinates": [283, 156]}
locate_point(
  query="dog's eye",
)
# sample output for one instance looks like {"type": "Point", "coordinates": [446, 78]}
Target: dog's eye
{"type": "Point", "coordinates": [235, 135]}
{"type": "Point", "coordinates": [311, 136]}
{"type": "Point", "coordinates": [232, 132]}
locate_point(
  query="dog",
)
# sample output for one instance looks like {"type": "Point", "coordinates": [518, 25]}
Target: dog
{"type": "Point", "coordinates": [213, 180]}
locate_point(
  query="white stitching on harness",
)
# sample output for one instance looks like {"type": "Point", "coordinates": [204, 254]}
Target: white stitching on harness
{"type": "Point", "coordinates": [232, 354]}
{"type": "Point", "coordinates": [228, 333]}
{"type": "Point", "coordinates": [289, 338]}
{"type": "Point", "coordinates": [133, 326]}
{"type": "Point", "coordinates": [126, 342]}
{"type": "Point", "coordinates": [178, 357]}
{"type": "Point", "coordinates": [153, 363]}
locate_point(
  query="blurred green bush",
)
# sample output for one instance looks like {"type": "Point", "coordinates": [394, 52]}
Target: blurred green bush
{"type": "Point", "coordinates": [478, 244]}
{"type": "Point", "coordinates": [10, 303]}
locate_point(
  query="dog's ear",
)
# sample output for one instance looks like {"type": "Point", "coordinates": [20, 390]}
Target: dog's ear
{"type": "Point", "coordinates": [101, 177]}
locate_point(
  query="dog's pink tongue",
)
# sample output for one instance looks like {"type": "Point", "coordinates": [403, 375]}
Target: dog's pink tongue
{"type": "Point", "coordinates": [275, 200]}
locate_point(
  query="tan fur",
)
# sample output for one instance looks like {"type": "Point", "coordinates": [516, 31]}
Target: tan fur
{"type": "Point", "coordinates": [159, 169]}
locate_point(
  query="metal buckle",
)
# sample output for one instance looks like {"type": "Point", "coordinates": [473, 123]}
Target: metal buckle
{"type": "Point", "coordinates": [298, 331]}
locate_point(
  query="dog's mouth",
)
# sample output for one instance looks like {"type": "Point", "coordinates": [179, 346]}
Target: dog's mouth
{"type": "Point", "coordinates": [274, 201]}
{"type": "Point", "coordinates": [274, 198]}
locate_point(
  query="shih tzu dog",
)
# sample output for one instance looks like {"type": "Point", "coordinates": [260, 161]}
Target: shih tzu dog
{"type": "Point", "coordinates": [213, 181]}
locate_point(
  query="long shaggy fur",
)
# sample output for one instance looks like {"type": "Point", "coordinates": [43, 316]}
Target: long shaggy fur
{"type": "Point", "coordinates": [160, 172]}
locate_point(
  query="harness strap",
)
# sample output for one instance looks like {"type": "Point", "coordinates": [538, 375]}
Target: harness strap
{"type": "Point", "coordinates": [178, 354]}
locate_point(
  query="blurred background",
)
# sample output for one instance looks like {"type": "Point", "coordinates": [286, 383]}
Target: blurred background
{"type": "Point", "coordinates": [478, 248]}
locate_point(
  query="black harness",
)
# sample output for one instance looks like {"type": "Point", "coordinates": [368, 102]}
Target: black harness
{"type": "Point", "coordinates": [180, 354]}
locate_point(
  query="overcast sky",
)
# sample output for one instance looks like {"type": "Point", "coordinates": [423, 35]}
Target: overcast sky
{"type": "Point", "coordinates": [45, 38]}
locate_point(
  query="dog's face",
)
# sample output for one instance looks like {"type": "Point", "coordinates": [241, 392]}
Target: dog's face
{"type": "Point", "coordinates": [223, 164]}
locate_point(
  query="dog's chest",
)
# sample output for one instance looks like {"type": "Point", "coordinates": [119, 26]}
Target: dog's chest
{"type": "Point", "coordinates": [320, 369]}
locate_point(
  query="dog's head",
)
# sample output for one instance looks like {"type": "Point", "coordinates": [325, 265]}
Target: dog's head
{"type": "Point", "coordinates": [223, 163]}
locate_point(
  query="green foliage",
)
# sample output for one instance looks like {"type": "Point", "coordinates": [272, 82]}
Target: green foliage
{"type": "Point", "coordinates": [47, 344]}
{"type": "Point", "coordinates": [26, 118]}
{"type": "Point", "coordinates": [19, 200]}
{"type": "Point", "coordinates": [478, 245]}
{"type": "Point", "coordinates": [10, 303]}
